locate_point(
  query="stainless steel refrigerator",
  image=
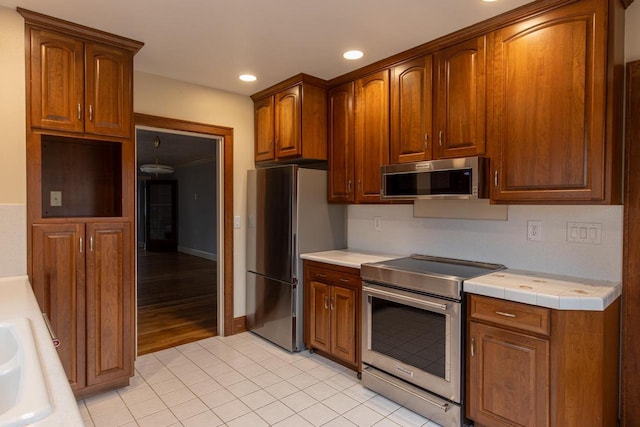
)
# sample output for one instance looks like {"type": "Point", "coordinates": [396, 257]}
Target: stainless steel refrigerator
{"type": "Point", "coordinates": [288, 214]}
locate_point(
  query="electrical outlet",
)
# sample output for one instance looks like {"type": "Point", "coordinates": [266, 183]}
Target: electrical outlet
{"type": "Point", "coordinates": [55, 198]}
{"type": "Point", "coordinates": [377, 223]}
{"type": "Point", "coordinates": [236, 221]}
{"type": "Point", "coordinates": [534, 231]}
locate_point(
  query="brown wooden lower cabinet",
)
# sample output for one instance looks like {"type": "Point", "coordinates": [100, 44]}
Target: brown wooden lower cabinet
{"type": "Point", "coordinates": [82, 279]}
{"type": "Point", "coordinates": [332, 312]}
{"type": "Point", "coordinates": [534, 366]}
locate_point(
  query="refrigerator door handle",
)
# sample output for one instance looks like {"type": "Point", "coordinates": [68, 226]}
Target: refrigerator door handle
{"type": "Point", "coordinates": [294, 298]}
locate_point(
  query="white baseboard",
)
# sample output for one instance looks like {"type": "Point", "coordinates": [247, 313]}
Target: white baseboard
{"type": "Point", "coordinates": [195, 252]}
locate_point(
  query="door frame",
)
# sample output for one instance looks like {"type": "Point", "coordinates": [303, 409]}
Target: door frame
{"type": "Point", "coordinates": [226, 163]}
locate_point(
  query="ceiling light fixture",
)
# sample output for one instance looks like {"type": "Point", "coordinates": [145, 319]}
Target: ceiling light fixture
{"type": "Point", "coordinates": [353, 54]}
{"type": "Point", "coordinates": [247, 77]}
{"type": "Point", "coordinates": [156, 167]}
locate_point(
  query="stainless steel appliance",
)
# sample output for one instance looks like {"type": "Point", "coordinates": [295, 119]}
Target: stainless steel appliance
{"type": "Point", "coordinates": [288, 214]}
{"type": "Point", "coordinates": [461, 178]}
{"type": "Point", "coordinates": [412, 332]}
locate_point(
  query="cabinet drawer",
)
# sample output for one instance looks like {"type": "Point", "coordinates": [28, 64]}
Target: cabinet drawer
{"type": "Point", "coordinates": [511, 314]}
{"type": "Point", "coordinates": [334, 277]}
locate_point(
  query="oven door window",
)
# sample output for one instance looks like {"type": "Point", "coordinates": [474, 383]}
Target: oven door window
{"type": "Point", "coordinates": [410, 335]}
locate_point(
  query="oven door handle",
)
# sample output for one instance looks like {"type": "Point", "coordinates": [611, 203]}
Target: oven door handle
{"type": "Point", "coordinates": [417, 301]}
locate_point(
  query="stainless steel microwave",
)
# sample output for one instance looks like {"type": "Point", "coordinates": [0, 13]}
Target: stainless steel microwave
{"type": "Point", "coordinates": [461, 178]}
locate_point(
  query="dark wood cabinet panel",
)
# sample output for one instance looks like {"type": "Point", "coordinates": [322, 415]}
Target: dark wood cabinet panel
{"type": "Point", "coordinates": [549, 123]}
{"type": "Point", "coordinates": [460, 93]}
{"type": "Point", "coordinates": [371, 134]}
{"type": "Point", "coordinates": [287, 110]}
{"type": "Point", "coordinates": [320, 316]}
{"type": "Point", "coordinates": [508, 377]}
{"type": "Point", "coordinates": [341, 144]}
{"type": "Point", "coordinates": [291, 121]}
{"type": "Point", "coordinates": [332, 312]}
{"type": "Point", "coordinates": [109, 303]}
{"type": "Point", "coordinates": [264, 132]}
{"type": "Point", "coordinates": [411, 111]}
{"type": "Point", "coordinates": [57, 81]}
{"type": "Point", "coordinates": [109, 90]}
{"type": "Point", "coordinates": [59, 286]}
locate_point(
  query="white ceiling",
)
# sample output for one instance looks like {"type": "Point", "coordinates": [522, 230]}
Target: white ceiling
{"type": "Point", "coordinates": [211, 42]}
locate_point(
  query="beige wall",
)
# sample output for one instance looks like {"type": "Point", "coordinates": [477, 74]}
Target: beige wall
{"type": "Point", "coordinates": [165, 97]}
{"type": "Point", "coordinates": [12, 109]}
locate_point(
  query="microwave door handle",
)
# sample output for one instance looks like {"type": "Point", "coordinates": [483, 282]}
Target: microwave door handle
{"type": "Point", "coordinates": [428, 304]}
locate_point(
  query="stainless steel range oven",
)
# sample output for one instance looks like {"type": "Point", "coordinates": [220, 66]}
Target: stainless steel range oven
{"type": "Point", "coordinates": [412, 332]}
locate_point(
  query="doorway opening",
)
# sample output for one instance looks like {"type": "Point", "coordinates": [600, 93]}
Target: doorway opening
{"type": "Point", "coordinates": [183, 286]}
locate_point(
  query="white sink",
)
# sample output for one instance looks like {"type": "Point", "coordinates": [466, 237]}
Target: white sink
{"type": "Point", "coordinates": [24, 398]}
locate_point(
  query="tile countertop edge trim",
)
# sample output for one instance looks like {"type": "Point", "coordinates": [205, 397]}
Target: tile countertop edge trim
{"type": "Point", "coordinates": [547, 300]}
{"type": "Point", "coordinates": [23, 303]}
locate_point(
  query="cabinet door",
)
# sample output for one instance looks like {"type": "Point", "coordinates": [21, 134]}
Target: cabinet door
{"type": "Point", "coordinates": [108, 90]}
{"type": "Point", "coordinates": [57, 81]}
{"type": "Point", "coordinates": [109, 302]}
{"type": "Point", "coordinates": [264, 132]}
{"type": "Point", "coordinates": [371, 134]}
{"type": "Point", "coordinates": [411, 112]}
{"type": "Point", "coordinates": [287, 106]}
{"type": "Point", "coordinates": [461, 99]}
{"type": "Point", "coordinates": [508, 377]}
{"type": "Point", "coordinates": [320, 316]}
{"type": "Point", "coordinates": [548, 88]}
{"type": "Point", "coordinates": [341, 144]}
{"type": "Point", "coordinates": [343, 323]}
{"type": "Point", "coordinates": [58, 283]}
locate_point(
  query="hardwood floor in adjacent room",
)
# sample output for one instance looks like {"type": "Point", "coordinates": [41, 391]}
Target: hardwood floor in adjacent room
{"type": "Point", "coordinates": [177, 299]}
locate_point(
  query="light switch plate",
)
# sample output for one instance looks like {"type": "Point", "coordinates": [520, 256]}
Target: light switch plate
{"type": "Point", "coordinates": [584, 232]}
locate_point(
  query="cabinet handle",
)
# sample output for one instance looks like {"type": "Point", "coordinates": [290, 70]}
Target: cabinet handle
{"type": "Point", "coordinates": [332, 307]}
{"type": "Point", "coordinates": [440, 138]}
{"type": "Point", "coordinates": [473, 347]}
{"type": "Point", "coordinates": [91, 244]}
{"type": "Point", "coordinates": [326, 302]}
{"type": "Point", "coordinates": [81, 245]}
{"type": "Point", "coordinates": [321, 275]}
{"type": "Point", "coordinates": [349, 187]}
{"type": "Point", "coordinates": [90, 112]}
{"type": "Point", "coordinates": [502, 313]}
{"type": "Point", "coordinates": [54, 339]}
{"type": "Point", "coordinates": [79, 111]}
{"type": "Point", "coordinates": [359, 186]}
{"type": "Point", "coordinates": [343, 280]}
{"type": "Point", "coordinates": [426, 142]}
{"type": "Point", "coordinates": [495, 178]}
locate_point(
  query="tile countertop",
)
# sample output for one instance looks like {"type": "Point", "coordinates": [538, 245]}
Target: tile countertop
{"type": "Point", "coordinates": [546, 290]}
{"type": "Point", "coordinates": [17, 300]}
{"type": "Point", "coordinates": [347, 257]}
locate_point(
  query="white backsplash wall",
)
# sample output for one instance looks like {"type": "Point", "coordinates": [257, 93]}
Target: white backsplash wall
{"type": "Point", "coordinates": [13, 229]}
{"type": "Point", "coordinates": [503, 242]}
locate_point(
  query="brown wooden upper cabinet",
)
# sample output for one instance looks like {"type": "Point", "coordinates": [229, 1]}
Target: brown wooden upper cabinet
{"type": "Point", "coordinates": [371, 134]}
{"type": "Point", "coordinates": [411, 111]}
{"type": "Point", "coordinates": [460, 99]}
{"type": "Point", "coordinates": [554, 130]}
{"type": "Point", "coordinates": [358, 138]}
{"type": "Point", "coordinates": [341, 176]}
{"type": "Point", "coordinates": [291, 120]}
{"type": "Point", "coordinates": [79, 86]}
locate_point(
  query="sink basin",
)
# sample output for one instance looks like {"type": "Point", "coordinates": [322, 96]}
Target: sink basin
{"type": "Point", "coordinates": [24, 398]}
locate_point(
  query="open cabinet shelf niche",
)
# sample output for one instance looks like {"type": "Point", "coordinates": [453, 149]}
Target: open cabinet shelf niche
{"type": "Point", "coordinates": [81, 178]}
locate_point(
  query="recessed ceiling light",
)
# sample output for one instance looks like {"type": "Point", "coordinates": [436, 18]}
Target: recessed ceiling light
{"type": "Point", "coordinates": [353, 54]}
{"type": "Point", "coordinates": [247, 77]}
{"type": "Point", "coordinates": [488, 1]}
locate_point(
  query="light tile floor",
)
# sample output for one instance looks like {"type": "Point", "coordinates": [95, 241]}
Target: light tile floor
{"type": "Point", "coordinates": [242, 381]}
